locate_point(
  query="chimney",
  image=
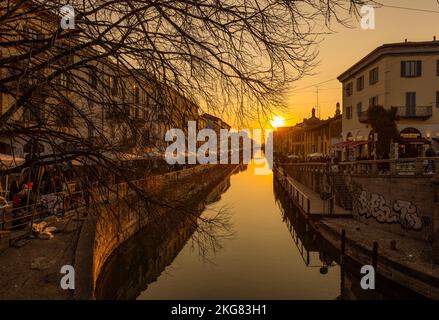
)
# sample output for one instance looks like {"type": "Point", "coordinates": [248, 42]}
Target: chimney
{"type": "Point", "coordinates": [405, 40]}
{"type": "Point", "coordinates": [313, 113]}
{"type": "Point", "coordinates": [434, 38]}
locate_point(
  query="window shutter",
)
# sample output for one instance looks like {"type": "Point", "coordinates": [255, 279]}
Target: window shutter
{"type": "Point", "coordinates": [403, 73]}
{"type": "Point", "coordinates": [419, 68]}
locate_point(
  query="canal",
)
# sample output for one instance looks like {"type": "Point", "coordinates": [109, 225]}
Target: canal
{"type": "Point", "coordinates": [259, 249]}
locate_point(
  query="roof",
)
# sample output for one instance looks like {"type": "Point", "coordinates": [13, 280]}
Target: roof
{"type": "Point", "coordinates": [401, 48]}
{"type": "Point", "coordinates": [323, 122]}
{"type": "Point", "coordinates": [214, 118]}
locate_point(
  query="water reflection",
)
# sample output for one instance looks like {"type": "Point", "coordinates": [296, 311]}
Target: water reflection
{"type": "Point", "coordinates": [141, 260]}
{"type": "Point", "coordinates": [318, 253]}
{"type": "Point", "coordinates": [270, 253]}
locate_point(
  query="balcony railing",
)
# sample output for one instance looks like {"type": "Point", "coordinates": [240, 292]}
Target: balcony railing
{"type": "Point", "coordinates": [418, 112]}
{"type": "Point", "coordinates": [362, 116]}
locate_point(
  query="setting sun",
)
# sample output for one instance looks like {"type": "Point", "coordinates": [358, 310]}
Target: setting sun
{"type": "Point", "coordinates": [278, 122]}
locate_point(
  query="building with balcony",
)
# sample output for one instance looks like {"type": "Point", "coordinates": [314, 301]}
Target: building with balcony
{"type": "Point", "coordinates": [80, 95]}
{"type": "Point", "coordinates": [403, 76]}
{"type": "Point", "coordinates": [311, 136]}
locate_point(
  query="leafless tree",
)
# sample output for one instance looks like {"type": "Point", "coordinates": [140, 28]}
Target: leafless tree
{"type": "Point", "coordinates": [129, 69]}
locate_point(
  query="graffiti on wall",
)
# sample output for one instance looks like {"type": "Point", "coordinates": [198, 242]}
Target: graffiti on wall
{"type": "Point", "coordinates": [404, 213]}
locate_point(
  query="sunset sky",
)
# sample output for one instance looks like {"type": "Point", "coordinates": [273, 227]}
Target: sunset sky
{"type": "Point", "coordinates": [346, 46]}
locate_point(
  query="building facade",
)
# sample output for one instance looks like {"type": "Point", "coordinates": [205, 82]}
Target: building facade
{"type": "Point", "coordinates": [100, 103]}
{"type": "Point", "coordinates": [402, 76]}
{"type": "Point", "coordinates": [310, 137]}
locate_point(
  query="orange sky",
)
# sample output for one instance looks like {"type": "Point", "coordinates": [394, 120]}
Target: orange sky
{"type": "Point", "coordinates": [342, 49]}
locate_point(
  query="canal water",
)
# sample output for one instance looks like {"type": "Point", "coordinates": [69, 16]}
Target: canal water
{"type": "Point", "coordinates": [259, 250]}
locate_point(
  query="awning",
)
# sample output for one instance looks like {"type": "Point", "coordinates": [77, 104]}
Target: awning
{"type": "Point", "coordinates": [358, 143]}
{"type": "Point", "coordinates": [341, 145]}
{"type": "Point", "coordinates": [9, 161]}
{"type": "Point", "coordinates": [420, 141]}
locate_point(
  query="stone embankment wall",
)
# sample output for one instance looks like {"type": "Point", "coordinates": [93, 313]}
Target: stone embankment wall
{"type": "Point", "coordinates": [406, 205]}
{"type": "Point", "coordinates": [401, 205]}
{"type": "Point", "coordinates": [117, 221]}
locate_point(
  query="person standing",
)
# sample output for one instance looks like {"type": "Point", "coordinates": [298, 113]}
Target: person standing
{"type": "Point", "coordinates": [430, 153]}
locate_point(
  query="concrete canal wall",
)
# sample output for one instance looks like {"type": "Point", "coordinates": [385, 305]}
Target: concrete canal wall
{"type": "Point", "coordinates": [410, 263]}
{"type": "Point", "coordinates": [399, 203]}
{"type": "Point", "coordinates": [116, 221]}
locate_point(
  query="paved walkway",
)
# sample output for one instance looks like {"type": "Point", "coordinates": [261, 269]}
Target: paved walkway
{"type": "Point", "coordinates": [317, 205]}
{"type": "Point", "coordinates": [414, 256]}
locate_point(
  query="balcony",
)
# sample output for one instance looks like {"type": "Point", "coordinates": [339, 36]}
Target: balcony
{"type": "Point", "coordinates": [362, 116]}
{"type": "Point", "coordinates": [418, 112]}
{"type": "Point", "coordinates": [118, 112]}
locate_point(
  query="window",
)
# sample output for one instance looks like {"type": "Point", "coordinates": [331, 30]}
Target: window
{"type": "Point", "coordinates": [348, 113]}
{"type": "Point", "coordinates": [359, 107]}
{"type": "Point", "coordinates": [64, 116]}
{"type": "Point", "coordinates": [32, 114]}
{"type": "Point", "coordinates": [136, 95]}
{"type": "Point", "coordinates": [115, 86]}
{"type": "Point", "coordinates": [30, 34]}
{"type": "Point", "coordinates": [410, 103]}
{"type": "Point", "coordinates": [373, 76]}
{"type": "Point", "coordinates": [349, 88]}
{"type": "Point", "coordinates": [411, 69]}
{"type": "Point", "coordinates": [360, 83]}
{"type": "Point", "coordinates": [373, 102]}
{"type": "Point", "coordinates": [91, 131]}
{"type": "Point", "coordinates": [64, 81]}
{"type": "Point", "coordinates": [93, 78]}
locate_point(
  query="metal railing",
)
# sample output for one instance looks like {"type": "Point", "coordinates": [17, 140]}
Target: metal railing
{"type": "Point", "coordinates": [299, 197]}
{"type": "Point", "coordinates": [390, 167]}
{"type": "Point", "coordinates": [415, 112]}
{"type": "Point", "coordinates": [16, 217]}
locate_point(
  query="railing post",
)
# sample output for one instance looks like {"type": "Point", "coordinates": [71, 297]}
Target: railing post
{"type": "Point", "coordinates": [308, 206]}
{"type": "Point", "coordinates": [374, 168]}
{"type": "Point", "coordinates": [393, 168]}
{"type": "Point", "coordinates": [343, 246]}
{"type": "Point", "coordinates": [375, 256]}
{"type": "Point", "coordinates": [331, 204]}
{"type": "Point", "coordinates": [419, 167]}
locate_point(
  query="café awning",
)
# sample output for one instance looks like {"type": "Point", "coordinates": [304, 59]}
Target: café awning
{"type": "Point", "coordinates": [420, 141]}
{"type": "Point", "coordinates": [9, 161]}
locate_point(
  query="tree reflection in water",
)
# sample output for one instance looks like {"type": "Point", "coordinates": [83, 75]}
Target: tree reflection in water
{"type": "Point", "coordinates": [142, 259]}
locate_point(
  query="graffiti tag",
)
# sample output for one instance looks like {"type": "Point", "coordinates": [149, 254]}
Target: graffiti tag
{"type": "Point", "coordinates": [404, 213]}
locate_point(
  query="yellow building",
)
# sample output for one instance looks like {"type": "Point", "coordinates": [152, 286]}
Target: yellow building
{"type": "Point", "coordinates": [312, 136]}
{"type": "Point", "coordinates": [404, 76]}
